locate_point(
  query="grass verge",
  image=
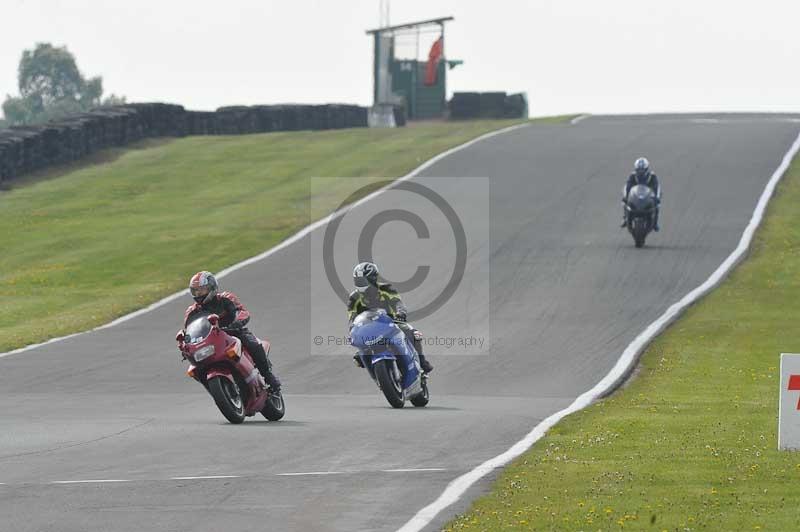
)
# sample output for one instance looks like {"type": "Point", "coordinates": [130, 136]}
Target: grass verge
{"type": "Point", "coordinates": [82, 246]}
{"type": "Point", "coordinates": [691, 442]}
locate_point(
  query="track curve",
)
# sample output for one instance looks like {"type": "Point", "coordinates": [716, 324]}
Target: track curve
{"type": "Point", "coordinates": [568, 293]}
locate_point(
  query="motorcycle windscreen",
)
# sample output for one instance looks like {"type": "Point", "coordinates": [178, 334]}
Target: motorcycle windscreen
{"type": "Point", "coordinates": [372, 329]}
{"type": "Point", "coordinates": [198, 330]}
{"type": "Point", "coordinates": [641, 198]}
{"type": "Point", "coordinates": [369, 316]}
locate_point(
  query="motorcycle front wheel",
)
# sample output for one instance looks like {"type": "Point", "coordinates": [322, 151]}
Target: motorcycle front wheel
{"type": "Point", "coordinates": [228, 398]}
{"type": "Point", "coordinates": [639, 232]}
{"type": "Point", "coordinates": [389, 382]}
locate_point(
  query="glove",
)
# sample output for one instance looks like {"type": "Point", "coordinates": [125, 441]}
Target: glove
{"type": "Point", "coordinates": [235, 325]}
{"type": "Point", "coordinates": [400, 316]}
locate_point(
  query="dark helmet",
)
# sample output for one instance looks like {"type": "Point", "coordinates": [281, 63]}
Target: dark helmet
{"type": "Point", "coordinates": [641, 166]}
{"type": "Point", "coordinates": [364, 275]}
{"type": "Point", "coordinates": [203, 287]}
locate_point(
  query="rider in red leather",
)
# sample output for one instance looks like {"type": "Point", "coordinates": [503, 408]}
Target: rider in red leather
{"type": "Point", "coordinates": [233, 317]}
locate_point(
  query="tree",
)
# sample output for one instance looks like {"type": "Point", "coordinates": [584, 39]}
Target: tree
{"type": "Point", "coordinates": [52, 86]}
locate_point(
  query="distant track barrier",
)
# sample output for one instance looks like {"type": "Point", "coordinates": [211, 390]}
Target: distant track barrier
{"type": "Point", "coordinates": [467, 105]}
{"type": "Point", "coordinates": [27, 149]}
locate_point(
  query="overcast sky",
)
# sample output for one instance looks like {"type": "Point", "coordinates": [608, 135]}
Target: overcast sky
{"type": "Point", "coordinates": [568, 55]}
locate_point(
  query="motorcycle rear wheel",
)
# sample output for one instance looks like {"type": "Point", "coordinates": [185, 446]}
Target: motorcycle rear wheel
{"type": "Point", "coordinates": [228, 398]}
{"type": "Point", "coordinates": [422, 398]}
{"type": "Point", "coordinates": [391, 388]}
{"type": "Point", "coordinates": [274, 409]}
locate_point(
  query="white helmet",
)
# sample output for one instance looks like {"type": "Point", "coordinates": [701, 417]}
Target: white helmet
{"type": "Point", "coordinates": [641, 166]}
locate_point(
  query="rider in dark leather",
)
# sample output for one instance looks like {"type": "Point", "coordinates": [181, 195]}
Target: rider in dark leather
{"type": "Point", "coordinates": [642, 175]}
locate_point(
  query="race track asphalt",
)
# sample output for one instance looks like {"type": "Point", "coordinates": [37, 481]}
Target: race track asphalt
{"type": "Point", "coordinates": [565, 292]}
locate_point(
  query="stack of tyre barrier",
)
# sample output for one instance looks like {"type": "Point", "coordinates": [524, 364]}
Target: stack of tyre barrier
{"type": "Point", "coordinates": [240, 120]}
{"type": "Point", "coordinates": [464, 105]}
{"type": "Point", "coordinates": [27, 149]}
{"type": "Point", "coordinates": [516, 106]}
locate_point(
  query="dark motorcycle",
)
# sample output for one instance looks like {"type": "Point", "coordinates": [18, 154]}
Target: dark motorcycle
{"type": "Point", "coordinates": [640, 210]}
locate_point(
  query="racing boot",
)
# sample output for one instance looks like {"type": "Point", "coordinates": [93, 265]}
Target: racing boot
{"type": "Point", "coordinates": [270, 378]}
{"type": "Point", "coordinates": [273, 382]}
{"type": "Point", "coordinates": [656, 228]}
{"type": "Point", "coordinates": [426, 366]}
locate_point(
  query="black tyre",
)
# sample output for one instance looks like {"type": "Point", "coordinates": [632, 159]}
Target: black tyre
{"type": "Point", "coordinates": [422, 398]}
{"type": "Point", "coordinates": [228, 398]}
{"type": "Point", "coordinates": [274, 409]}
{"type": "Point", "coordinates": [639, 232]}
{"type": "Point", "coordinates": [389, 382]}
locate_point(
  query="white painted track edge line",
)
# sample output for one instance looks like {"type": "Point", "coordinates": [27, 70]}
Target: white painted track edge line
{"type": "Point", "coordinates": [627, 361]}
{"type": "Point", "coordinates": [413, 470]}
{"type": "Point", "coordinates": [309, 473]}
{"type": "Point", "coordinates": [91, 481]}
{"type": "Point", "coordinates": [579, 118]}
{"type": "Point", "coordinates": [281, 245]}
{"type": "Point", "coordinates": [206, 477]}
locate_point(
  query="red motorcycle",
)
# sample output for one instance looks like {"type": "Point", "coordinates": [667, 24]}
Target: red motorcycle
{"type": "Point", "coordinates": [218, 361]}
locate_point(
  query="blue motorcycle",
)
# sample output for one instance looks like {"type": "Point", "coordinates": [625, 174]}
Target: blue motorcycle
{"type": "Point", "coordinates": [390, 358]}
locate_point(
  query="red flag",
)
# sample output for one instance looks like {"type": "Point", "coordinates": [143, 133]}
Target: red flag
{"type": "Point", "coordinates": [434, 56]}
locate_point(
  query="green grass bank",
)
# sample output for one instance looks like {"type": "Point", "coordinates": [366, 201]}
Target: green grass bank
{"type": "Point", "coordinates": [85, 245]}
{"type": "Point", "coordinates": [691, 442]}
